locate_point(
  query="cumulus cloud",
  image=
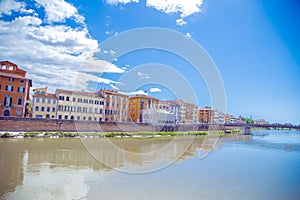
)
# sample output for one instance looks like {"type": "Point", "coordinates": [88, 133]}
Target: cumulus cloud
{"type": "Point", "coordinates": [7, 6]}
{"type": "Point", "coordinates": [51, 54]}
{"type": "Point", "coordinates": [137, 92]}
{"type": "Point", "coordinates": [121, 1]}
{"type": "Point", "coordinates": [152, 90]}
{"type": "Point", "coordinates": [183, 7]}
{"type": "Point", "coordinates": [59, 11]}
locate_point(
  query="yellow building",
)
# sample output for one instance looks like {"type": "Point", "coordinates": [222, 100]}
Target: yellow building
{"type": "Point", "coordinates": [79, 105]}
{"type": "Point", "coordinates": [44, 104]}
{"type": "Point", "coordinates": [139, 103]}
{"type": "Point", "coordinates": [116, 105]}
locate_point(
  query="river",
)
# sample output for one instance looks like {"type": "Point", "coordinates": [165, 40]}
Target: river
{"type": "Point", "coordinates": [265, 165]}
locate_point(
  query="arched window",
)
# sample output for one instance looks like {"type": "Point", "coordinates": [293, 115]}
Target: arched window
{"type": "Point", "coordinates": [3, 66]}
{"type": "Point", "coordinates": [47, 116]}
{"type": "Point", "coordinates": [72, 117]}
{"type": "Point", "coordinates": [11, 68]}
{"type": "Point", "coordinates": [90, 118]}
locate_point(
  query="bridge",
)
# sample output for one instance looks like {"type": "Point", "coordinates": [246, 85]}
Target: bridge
{"type": "Point", "coordinates": [267, 126]}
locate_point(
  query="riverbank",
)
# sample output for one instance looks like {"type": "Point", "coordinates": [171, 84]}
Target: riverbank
{"type": "Point", "coordinates": [61, 134]}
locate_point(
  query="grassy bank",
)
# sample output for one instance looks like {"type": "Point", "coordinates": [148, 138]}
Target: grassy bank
{"type": "Point", "coordinates": [106, 134]}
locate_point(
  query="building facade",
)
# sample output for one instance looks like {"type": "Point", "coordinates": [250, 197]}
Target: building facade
{"type": "Point", "coordinates": [188, 112]}
{"type": "Point", "coordinates": [116, 105]}
{"type": "Point", "coordinates": [44, 104]}
{"type": "Point", "coordinates": [158, 116]}
{"type": "Point", "coordinates": [207, 115]}
{"type": "Point", "coordinates": [171, 107]}
{"type": "Point", "coordinates": [14, 90]}
{"type": "Point", "coordinates": [138, 104]}
{"type": "Point", "coordinates": [75, 105]}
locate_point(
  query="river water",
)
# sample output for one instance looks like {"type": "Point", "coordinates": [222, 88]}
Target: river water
{"type": "Point", "coordinates": [265, 165]}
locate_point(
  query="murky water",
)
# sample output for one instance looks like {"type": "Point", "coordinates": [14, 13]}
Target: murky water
{"type": "Point", "coordinates": [263, 166]}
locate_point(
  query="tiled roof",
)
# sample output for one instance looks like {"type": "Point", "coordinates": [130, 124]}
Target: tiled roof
{"type": "Point", "coordinates": [144, 97]}
{"type": "Point", "coordinates": [83, 93]}
{"type": "Point", "coordinates": [53, 96]}
{"type": "Point", "coordinates": [13, 75]}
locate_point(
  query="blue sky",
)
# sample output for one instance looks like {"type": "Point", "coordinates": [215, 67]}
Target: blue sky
{"type": "Point", "coordinates": [253, 43]}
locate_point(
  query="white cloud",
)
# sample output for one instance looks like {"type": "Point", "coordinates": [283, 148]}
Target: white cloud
{"type": "Point", "coordinates": [188, 35]}
{"type": "Point", "coordinates": [51, 54]}
{"type": "Point", "coordinates": [7, 6]}
{"type": "Point", "coordinates": [180, 22]}
{"type": "Point", "coordinates": [143, 75]}
{"type": "Point", "coordinates": [59, 11]}
{"type": "Point", "coordinates": [152, 90]}
{"type": "Point", "coordinates": [121, 1]}
{"type": "Point", "coordinates": [137, 92]}
{"type": "Point", "coordinates": [184, 7]}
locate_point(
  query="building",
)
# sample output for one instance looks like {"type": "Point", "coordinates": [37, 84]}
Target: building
{"type": "Point", "coordinates": [75, 105]}
{"type": "Point", "coordinates": [230, 119]}
{"type": "Point", "coordinates": [116, 105]}
{"type": "Point", "coordinates": [14, 90]}
{"type": "Point", "coordinates": [44, 104]}
{"type": "Point", "coordinates": [137, 105]}
{"type": "Point", "coordinates": [188, 111]}
{"type": "Point", "coordinates": [207, 115]}
{"type": "Point", "coordinates": [260, 122]}
{"type": "Point", "coordinates": [158, 116]}
{"type": "Point", "coordinates": [171, 107]}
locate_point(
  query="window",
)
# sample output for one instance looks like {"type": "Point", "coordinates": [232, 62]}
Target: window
{"type": "Point", "coordinates": [42, 92]}
{"type": "Point", "coordinates": [91, 101]}
{"type": "Point", "coordinates": [36, 108]}
{"type": "Point", "coordinates": [43, 109]}
{"type": "Point", "coordinates": [67, 108]}
{"type": "Point", "coordinates": [84, 118]}
{"type": "Point", "coordinates": [100, 119]}
{"type": "Point", "coordinates": [11, 79]}
{"type": "Point", "coordinates": [7, 101]}
{"type": "Point", "coordinates": [48, 101]}
{"type": "Point", "coordinates": [53, 109]}
{"type": "Point", "coordinates": [74, 99]}
{"type": "Point", "coordinates": [43, 100]}
{"type": "Point", "coordinates": [60, 107]}
{"type": "Point", "coordinates": [78, 117]}
{"type": "Point", "coordinates": [90, 118]}
{"type": "Point", "coordinates": [11, 68]}
{"type": "Point", "coordinates": [47, 116]}
{"type": "Point", "coordinates": [3, 66]}
{"type": "Point", "coordinates": [95, 118]}
{"type": "Point", "coordinates": [48, 109]}
{"type": "Point", "coordinates": [72, 117]}
{"type": "Point", "coordinates": [37, 92]}
{"type": "Point", "coordinates": [59, 116]}
{"type": "Point", "coordinates": [96, 102]}
{"type": "Point", "coordinates": [90, 110]}
{"type": "Point", "coordinates": [61, 98]}
{"type": "Point", "coordinates": [21, 80]}
{"type": "Point", "coordinates": [66, 116]}
{"type": "Point", "coordinates": [19, 100]}
{"type": "Point", "coordinates": [78, 109]}
{"type": "Point", "coordinates": [85, 101]}
{"type": "Point", "coordinates": [84, 109]}
{"type": "Point", "coordinates": [52, 116]}
{"type": "Point", "coordinates": [39, 116]}
{"type": "Point", "coordinates": [73, 108]}
{"type": "Point", "coordinates": [67, 98]}
{"type": "Point", "coordinates": [54, 101]}
{"type": "Point", "coordinates": [9, 88]}
{"type": "Point", "coordinates": [79, 100]}
{"type": "Point", "coordinates": [96, 110]}
{"type": "Point", "coordinates": [101, 111]}
{"type": "Point", "coordinates": [101, 102]}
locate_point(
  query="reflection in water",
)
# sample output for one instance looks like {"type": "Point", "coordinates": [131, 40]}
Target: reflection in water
{"type": "Point", "coordinates": [64, 169]}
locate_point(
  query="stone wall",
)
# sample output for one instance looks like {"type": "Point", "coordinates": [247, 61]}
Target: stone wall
{"type": "Point", "coordinates": [34, 124]}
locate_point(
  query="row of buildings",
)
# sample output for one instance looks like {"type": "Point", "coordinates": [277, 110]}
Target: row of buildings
{"type": "Point", "coordinates": [103, 105]}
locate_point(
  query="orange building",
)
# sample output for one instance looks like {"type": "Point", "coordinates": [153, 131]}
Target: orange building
{"type": "Point", "coordinates": [139, 103]}
{"type": "Point", "coordinates": [116, 105]}
{"type": "Point", "coordinates": [205, 115]}
{"type": "Point", "coordinates": [14, 90]}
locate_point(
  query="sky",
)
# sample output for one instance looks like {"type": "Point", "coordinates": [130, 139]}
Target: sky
{"type": "Point", "coordinates": [254, 44]}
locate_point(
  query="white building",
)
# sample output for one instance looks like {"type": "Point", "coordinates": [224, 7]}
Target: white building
{"type": "Point", "coordinates": [158, 116]}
